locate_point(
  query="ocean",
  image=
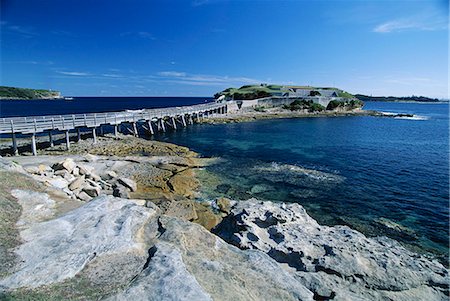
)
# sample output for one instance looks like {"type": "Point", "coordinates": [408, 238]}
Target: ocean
{"type": "Point", "coordinates": [79, 105]}
{"type": "Point", "coordinates": [381, 176]}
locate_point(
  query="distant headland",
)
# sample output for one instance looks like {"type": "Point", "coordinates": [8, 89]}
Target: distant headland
{"type": "Point", "coordinates": [397, 99]}
{"type": "Point", "coordinates": [27, 94]}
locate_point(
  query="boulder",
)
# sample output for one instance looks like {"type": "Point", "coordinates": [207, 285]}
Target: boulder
{"type": "Point", "coordinates": [44, 168]}
{"type": "Point", "coordinates": [76, 171]}
{"type": "Point", "coordinates": [61, 173]}
{"type": "Point", "coordinates": [58, 183]}
{"type": "Point", "coordinates": [77, 183]}
{"type": "Point", "coordinates": [121, 192]}
{"type": "Point", "coordinates": [67, 191]}
{"type": "Point", "coordinates": [85, 169]}
{"type": "Point", "coordinates": [83, 196]}
{"type": "Point", "coordinates": [32, 169]}
{"type": "Point", "coordinates": [223, 205]}
{"type": "Point", "coordinates": [94, 184]}
{"type": "Point", "coordinates": [69, 177]}
{"type": "Point", "coordinates": [128, 183]}
{"type": "Point", "coordinates": [93, 177]}
{"type": "Point", "coordinates": [109, 175]}
{"type": "Point", "coordinates": [68, 164]}
{"type": "Point", "coordinates": [92, 191]}
{"type": "Point", "coordinates": [333, 261]}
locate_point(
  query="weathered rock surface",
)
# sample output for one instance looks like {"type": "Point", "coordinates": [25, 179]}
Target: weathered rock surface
{"type": "Point", "coordinates": [130, 184]}
{"type": "Point", "coordinates": [108, 237]}
{"type": "Point", "coordinates": [190, 263]}
{"type": "Point", "coordinates": [183, 183]}
{"type": "Point", "coordinates": [118, 242]}
{"type": "Point", "coordinates": [36, 206]}
{"type": "Point", "coordinates": [335, 262]}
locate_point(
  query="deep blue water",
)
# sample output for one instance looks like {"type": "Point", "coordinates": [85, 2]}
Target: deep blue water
{"type": "Point", "coordinates": [381, 176]}
{"type": "Point", "coordinates": [12, 108]}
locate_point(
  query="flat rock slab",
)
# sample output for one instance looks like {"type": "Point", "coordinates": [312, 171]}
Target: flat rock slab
{"type": "Point", "coordinates": [36, 206]}
{"type": "Point", "coordinates": [333, 261]}
{"type": "Point", "coordinates": [105, 234]}
{"type": "Point", "coordinates": [190, 263]}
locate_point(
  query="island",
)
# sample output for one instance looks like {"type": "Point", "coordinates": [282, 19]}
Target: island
{"type": "Point", "coordinates": [294, 98]}
{"type": "Point", "coordinates": [13, 93]}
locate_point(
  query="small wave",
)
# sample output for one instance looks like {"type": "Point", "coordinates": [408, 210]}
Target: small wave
{"type": "Point", "coordinates": [406, 116]}
{"type": "Point", "coordinates": [301, 171]}
{"type": "Point", "coordinates": [388, 113]}
{"type": "Point", "coordinates": [414, 117]}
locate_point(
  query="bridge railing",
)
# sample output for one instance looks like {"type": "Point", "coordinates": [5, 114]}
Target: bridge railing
{"type": "Point", "coordinates": [35, 124]}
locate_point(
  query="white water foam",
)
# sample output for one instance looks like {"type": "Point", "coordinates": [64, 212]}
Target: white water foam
{"type": "Point", "coordinates": [299, 170]}
{"type": "Point", "coordinates": [414, 117]}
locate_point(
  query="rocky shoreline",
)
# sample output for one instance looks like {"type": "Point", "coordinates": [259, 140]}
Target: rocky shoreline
{"type": "Point", "coordinates": [121, 221]}
{"type": "Point", "coordinates": [252, 114]}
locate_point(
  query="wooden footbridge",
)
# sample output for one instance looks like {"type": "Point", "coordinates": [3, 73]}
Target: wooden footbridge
{"type": "Point", "coordinates": [151, 120]}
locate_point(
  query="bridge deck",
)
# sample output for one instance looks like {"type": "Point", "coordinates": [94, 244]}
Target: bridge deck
{"type": "Point", "coordinates": [37, 124]}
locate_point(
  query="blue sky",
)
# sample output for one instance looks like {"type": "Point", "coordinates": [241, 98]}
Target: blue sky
{"type": "Point", "coordinates": [198, 47]}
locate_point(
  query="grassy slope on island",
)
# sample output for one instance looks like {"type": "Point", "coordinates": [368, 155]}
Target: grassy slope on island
{"type": "Point", "coordinates": [393, 98]}
{"type": "Point", "coordinates": [248, 92]}
{"type": "Point", "coordinates": [23, 93]}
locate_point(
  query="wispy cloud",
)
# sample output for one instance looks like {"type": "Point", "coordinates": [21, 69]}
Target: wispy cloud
{"type": "Point", "coordinates": [205, 80]}
{"type": "Point", "coordinates": [172, 74]}
{"type": "Point", "coordinates": [47, 63]}
{"type": "Point", "coordinates": [139, 34]}
{"type": "Point", "coordinates": [112, 75]}
{"type": "Point", "coordinates": [73, 73]}
{"type": "Point", "coordinates": [427, 21]}
{"type": "Point", "coordinates": [24, 31]}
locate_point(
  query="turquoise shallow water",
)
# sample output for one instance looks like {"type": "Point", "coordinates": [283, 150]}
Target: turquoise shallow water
{"type": "Point", "coordinates": [381, 176]}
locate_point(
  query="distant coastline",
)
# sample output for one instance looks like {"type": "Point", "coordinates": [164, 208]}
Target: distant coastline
{"type": "Point", "coordinates": [398, 99]}
{"type": "Point", "coordinates": [13, 93]}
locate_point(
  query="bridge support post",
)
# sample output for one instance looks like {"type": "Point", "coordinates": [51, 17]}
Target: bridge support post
{"type": "Point", "coordinates": [67, 140]}
{"type": "Point", "coordinates": [116, 130]}
{"type": "Point", "coordinates": [162, 125]}
{"type": "Point", "coordinates": [173, 123]}
{"type": "Point", "coordinates": [50, 138]}
{"type": "Point", "coordinates": [100, 130]}
{"type": "Point", "coordinates": [150, 127]}
{"type": "Point", "coordinates": [183, 120]}
{"type": "Point", "coordinates": [135, 131]}
{"type": "Point", "coordinates": [94, 135]}
{"type": "Point", "coordinates": [190, 120]}
{"type": "Point", "coordinates": [14, 145]}
{"type": "Point", "coordinates": [78, 135]}
{"type": "Point", "coordinates": [33, 144]}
